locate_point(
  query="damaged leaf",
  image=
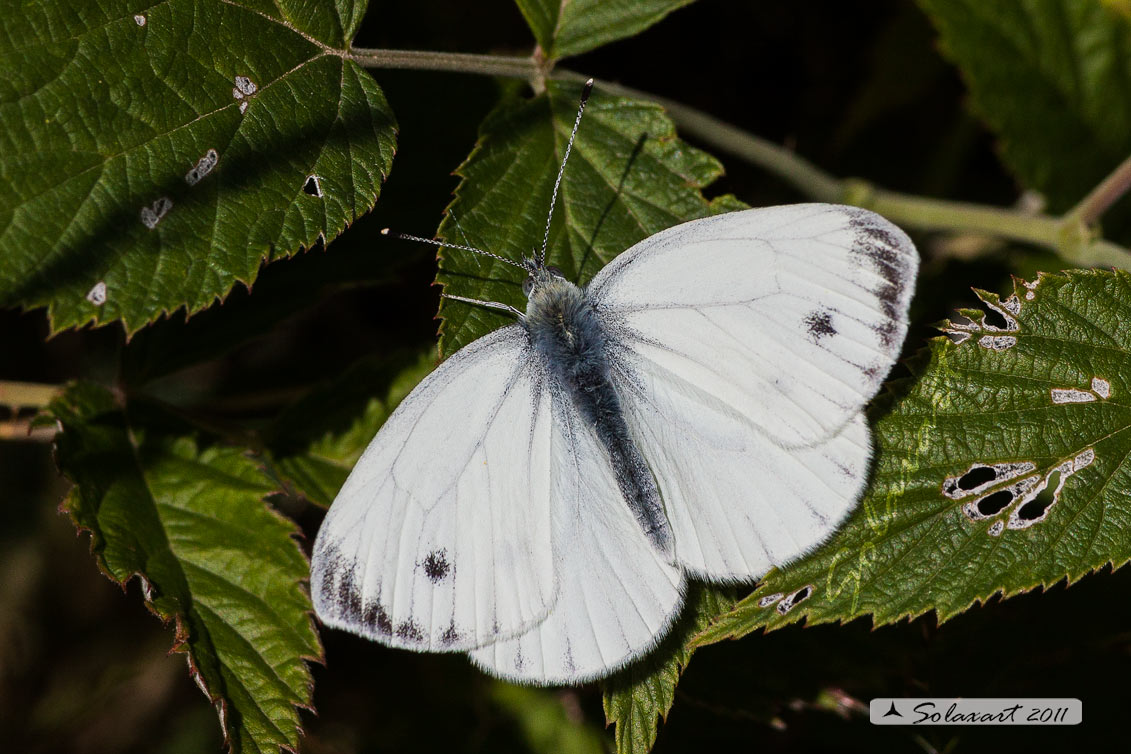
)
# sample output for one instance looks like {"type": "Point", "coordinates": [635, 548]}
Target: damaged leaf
{"type": "Point", "coordinates": [190, 522]}
{"type": "Point", "coordinates": [153, 160]}
{"type": "Point", "coordinates": [988, 479]}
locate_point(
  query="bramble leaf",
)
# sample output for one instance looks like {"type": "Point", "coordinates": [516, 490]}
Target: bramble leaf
{"type": "Point", "coordinates": [545, 722]}
{"type": "Point", "coordinates": [152, 160]}
{"type": "Point", "coordinates": [1001, 468]}
{"type": "Point", "coordinates": [1051, 79]}
{"type": "Point", "coordinates": [637, 698]}
{"type": "Point", "coordinates": [571, 28]}
{"type": "Point", "coordinates": [315, 442]}
{"type": "Point", "coordinates": [629, 176]}
{"type": "Point", "coordinates": [190, 521]}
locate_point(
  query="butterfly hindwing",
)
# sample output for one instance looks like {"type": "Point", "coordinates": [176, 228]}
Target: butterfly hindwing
{"type": "Point", "coordinates": [440, 538]}
{"type": "Point", "coordinates": [737, 501]}
{"type": "Point", "coordinates": [618, 594]}
{"type": "Point", "coordinates": [744, 348]}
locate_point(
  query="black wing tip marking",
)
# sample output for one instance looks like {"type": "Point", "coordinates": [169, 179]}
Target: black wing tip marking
{"type": "Point", "coordinates": [894, 260]}
{"type": "Point", "coordinates": [408, 630]}
{"type": "Point", "coordinates": [339, 601]}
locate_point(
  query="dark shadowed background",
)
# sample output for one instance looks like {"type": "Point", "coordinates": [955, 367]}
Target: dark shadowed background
{"type": "Point", "coordinates": [856, 87]}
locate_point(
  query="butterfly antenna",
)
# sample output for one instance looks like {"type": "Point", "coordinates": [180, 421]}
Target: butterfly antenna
{"type": "Point", "coordinates": [449, 245]}
{"type": "Point", "coordinates": [585, 90]}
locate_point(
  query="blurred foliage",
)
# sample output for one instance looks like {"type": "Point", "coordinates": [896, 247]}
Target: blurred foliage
{"type": "Point", "coordinates": [299, 368]}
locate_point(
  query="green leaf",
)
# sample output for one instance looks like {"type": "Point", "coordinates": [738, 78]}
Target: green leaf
{"type": "Point", "coordinates": [637, 698]}
{"type": "Point", "coordinates": [191, 523]}
{"type": "Point", "coordinates": [571, 28]}
{"type": "Point", "coordinates": [315, 442]}
{"type": "Point", "coordinates": [547, 725]}
{"type": "Point", "coordinates": [629, 176]}
{"type": "Point", "coordinates": [129, 168]}
{"type": "Point", "coordinates": [1051, 78]}
{"type": "Point", "coordinates": [984, 426]}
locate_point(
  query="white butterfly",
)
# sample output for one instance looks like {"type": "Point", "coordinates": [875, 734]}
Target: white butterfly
{"type": "Point", "coordinates": [541, 498]}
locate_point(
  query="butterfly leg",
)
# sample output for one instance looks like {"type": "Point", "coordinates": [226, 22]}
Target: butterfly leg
{"type": "Point", "coordinates": [489, 304]}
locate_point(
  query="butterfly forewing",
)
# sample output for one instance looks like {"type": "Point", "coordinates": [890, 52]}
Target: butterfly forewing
{"type": "Point", "coordinates": [744, 348]}
{"type": "Point", "coordinates": [791, 316]}
{"type": "Point", "coordinates": [440, 538]}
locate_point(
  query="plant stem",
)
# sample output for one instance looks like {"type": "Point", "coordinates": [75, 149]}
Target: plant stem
{"type": "Point", "coordinates": [21, 430]}
{"type": "Point", "coordinates": [513, 66]}
{"type": "Point", "coordinates": [1110, 189]}
{"type": "Point", "coordinates": [795, 170]}
{"type": "Point", "coordinates": [963, 217]}
{"type": "Point", "coordinates": [27, 394]}
{"type": "Point", "coordinates": [1069, 235]}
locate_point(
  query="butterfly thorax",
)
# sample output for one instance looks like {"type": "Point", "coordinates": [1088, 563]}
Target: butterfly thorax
{"type": "Point", "coordinates": [568, 334]}
{"type": "Point", "coordinates": [566, 331]}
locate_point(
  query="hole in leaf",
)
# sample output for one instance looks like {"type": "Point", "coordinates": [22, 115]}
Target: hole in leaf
{"type": "Point", "coordinates": [794, 599]}
{"type": "Point", "coordinates": [313, 186]}
{"type": "Point", "coordinates": [994, 318]}
{"type": "Point", "coordinates": [1036, 507]}
{"type": "Point", "coordinates": [976, 477]}
{"type": "Point", "coordinates": [993, 504]}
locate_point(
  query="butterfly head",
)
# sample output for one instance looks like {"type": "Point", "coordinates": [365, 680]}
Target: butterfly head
{"type": "Point", "coordinates": [539, 276]}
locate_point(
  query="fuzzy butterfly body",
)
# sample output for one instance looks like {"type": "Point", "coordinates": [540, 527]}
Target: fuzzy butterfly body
{"type": "Point", "coordinates": [541, 498]}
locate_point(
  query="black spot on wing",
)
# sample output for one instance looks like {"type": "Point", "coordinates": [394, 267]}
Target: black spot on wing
{"type": "Point", "coordinates": [436, 566]}
{"type": "Point", "coordinates": [410, 631]}
{"type": "Point", "coordinates": [819, 325]}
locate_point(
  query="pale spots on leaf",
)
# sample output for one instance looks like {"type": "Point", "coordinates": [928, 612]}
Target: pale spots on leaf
{"type": "Point", "coordinates": [153, 214]}
{"type": "Point", "coordinates": [97, 294]}
{"type": "Point", "coordinates": [203, 167]}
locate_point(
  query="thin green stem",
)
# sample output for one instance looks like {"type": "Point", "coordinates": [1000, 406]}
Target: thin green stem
{"type": "Point", "coordinates": [21, 430]}
{"type": "Point", "coordinates": [795, 170]}
{"type": "Point", "coordinates": [512, 66]}
{"type": "Point", "coordinates": [963, 217]}
{"type": "Point", "coordinates": [27, 394]}
{"type": "Point", "coordinates": [1069, 235]}
{"type": "Point", "coordinates": [1110, 189]}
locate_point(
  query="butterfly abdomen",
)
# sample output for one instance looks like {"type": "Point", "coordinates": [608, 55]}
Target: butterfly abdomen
{"type": "Point", "coordinates": [568, 335]}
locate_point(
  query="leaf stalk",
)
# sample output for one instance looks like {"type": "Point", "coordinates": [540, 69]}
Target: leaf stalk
{"type": "Point", "coordinates": [1071, 236]}
{"type": "Point", "coordinates": [27, 394]}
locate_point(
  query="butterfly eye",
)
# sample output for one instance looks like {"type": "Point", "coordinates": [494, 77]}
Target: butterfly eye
{"type": "Point", "coordinates": [527, 286]}
{"type": "Point", "coordinates": [555, 272]}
